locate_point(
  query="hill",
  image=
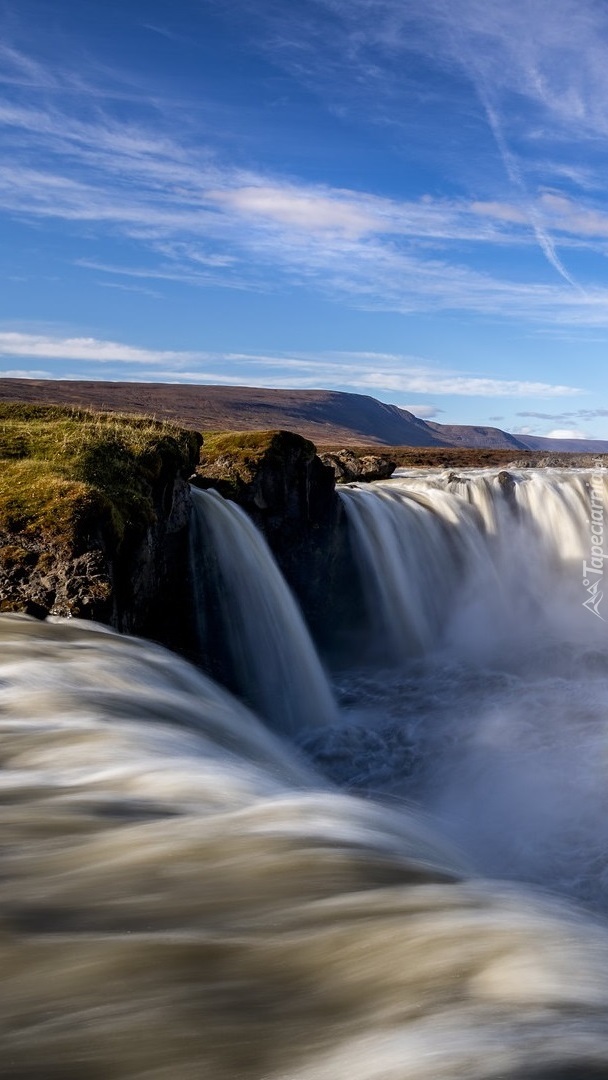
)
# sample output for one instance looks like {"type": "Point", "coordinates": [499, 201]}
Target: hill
{"type": "Point", "coordinates": [327, 417]}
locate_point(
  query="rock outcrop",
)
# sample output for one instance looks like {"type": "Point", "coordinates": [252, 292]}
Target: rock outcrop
{"type": "Point", "coordinates": [94, 519]}
{"type": "Point", "coordinates": [275, 476]}
{"type": "Point", "coordinates": [95, 511]}
{"type": "Point", "coordinates": [349, 466]}
{"type": "Point", "coordinates": [288, 491]}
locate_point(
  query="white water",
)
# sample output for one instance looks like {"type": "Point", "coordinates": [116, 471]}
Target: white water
{"type": "Point", "coordinates": [463, 566]}
{"type": "Point", "coordinates": [183, 898]}
{"type": "Point", "coordinates": [486, 696]}
{"type": "Point", "coordinates": [273, 660]}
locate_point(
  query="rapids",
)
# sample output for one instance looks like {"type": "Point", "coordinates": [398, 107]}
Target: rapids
{"type": "Point", "coordinates": [187, 893]}
{"type": "Point", "coordinates": [485, 698]}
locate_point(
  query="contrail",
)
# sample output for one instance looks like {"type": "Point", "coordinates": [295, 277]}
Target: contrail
{"type": "Point", "coordinates": [515, 175]}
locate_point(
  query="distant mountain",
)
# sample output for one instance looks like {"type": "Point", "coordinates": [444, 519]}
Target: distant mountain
{"type": "Point", "coordinates": [566, 446]}
{"type": "Point", "coordinates": [325, 416]}
{"type": "Point", "coordinates": [476, 437]}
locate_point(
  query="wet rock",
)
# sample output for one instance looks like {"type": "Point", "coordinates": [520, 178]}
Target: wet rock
{"type": "Point", "coordinates": [508, 484]}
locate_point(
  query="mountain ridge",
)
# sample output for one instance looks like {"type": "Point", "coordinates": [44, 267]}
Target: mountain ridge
{"type": "Point", "coordinates": [324, 416]}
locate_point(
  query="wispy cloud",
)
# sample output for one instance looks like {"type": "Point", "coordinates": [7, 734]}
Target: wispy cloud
{"type": "Point", "coordinates": [567, 433]}
{"type": "Point", "coordinates": [537, 68]}
{"type": "Point", "coordinates": [186, 214]}
{"type": "Point", "coordinates": [425, 412]}
{"type": "Point", "coordinates": [549, 52]}
{"type": "Point", "coordinates": [130, 288]}
{"type": "Point", "coordinates": [577, 414]}
{"type": "Point", "coordinates": [369, 372]}
{"type": "Point", "coordinates": [23, 373]}
{"type": "Point", "coordinates": [515, 174]}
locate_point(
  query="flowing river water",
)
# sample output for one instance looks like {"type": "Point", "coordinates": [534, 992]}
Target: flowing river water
{"type": "Point", "coordinates": [398, 872]}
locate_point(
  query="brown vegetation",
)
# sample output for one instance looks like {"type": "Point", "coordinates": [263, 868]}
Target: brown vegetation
{"type": "Point", "coordinates": [319, 415]}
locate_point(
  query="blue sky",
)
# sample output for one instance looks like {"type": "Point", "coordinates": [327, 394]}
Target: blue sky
{"type": "Point", "coordinates": [404, 198]}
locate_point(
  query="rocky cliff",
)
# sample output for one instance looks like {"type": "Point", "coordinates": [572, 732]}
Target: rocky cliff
{"type": "Point", "coordinates": [94, 517]}
{"type": "Point", "coordinates": [95, 510]}
{"type": "Point", "coordinates": [288, 491]}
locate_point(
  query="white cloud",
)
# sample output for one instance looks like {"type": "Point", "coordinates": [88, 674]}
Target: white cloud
{"type": "Point", "coordinates": [567, 433]}
{"type": "Point", "coordinates": [23, 374]}
{"type": "Point", "coordinates": [202, 221]}
{"type": "Point", "coordinates": [308, 211]}
{"type": "Point", "coordinates": [424, 412]}
{"type": "Point", "coordinates": [466, 386]}
{"type": "Point", "coordinates": [85, 349]}
{"type": "Point", "coordinates": [374, 373]}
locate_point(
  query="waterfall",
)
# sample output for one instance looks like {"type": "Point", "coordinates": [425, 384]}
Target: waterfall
{"type": "Point", "coordinates": [183, 898]}
{"type": "Point", "coordinates": [480, 562]}
{"type": "Point", "coordinates": [184, 894]}
{"type": "Point", "coordinates": [273, 662]}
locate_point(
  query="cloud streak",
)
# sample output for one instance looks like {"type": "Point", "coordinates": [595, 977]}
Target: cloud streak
{"type": "Point", "coordinates": [180, 211]}
{"type": "Point", "coordinates": [515, 174]}
{"type": "Point", "coordinates": [367, 372]}
{"type": "Point", "coordinates": [195, 219]}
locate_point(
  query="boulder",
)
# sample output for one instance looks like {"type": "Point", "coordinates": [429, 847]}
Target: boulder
{"type": "Point", "coordinates": [275, 476]}
{"type": "Point", "coordinates": [350, 466]}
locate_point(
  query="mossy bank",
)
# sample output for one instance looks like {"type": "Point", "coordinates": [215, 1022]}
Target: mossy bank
{"type": "Point", "coordinates": [93, 514]}
{"type": "Point", "coordinates": [95, 509]}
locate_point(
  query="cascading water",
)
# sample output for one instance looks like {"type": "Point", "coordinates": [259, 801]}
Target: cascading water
{"type": "Point", "coordinates": [273, 662]}
{"type": "Point", "coordinates": [492, 558]}
{"type": "Point", "coordinates": [183, 898]}
{"type": "Point", "coordinates": [489, 703]}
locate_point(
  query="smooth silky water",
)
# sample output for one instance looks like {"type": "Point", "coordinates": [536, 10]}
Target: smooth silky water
{"type": "Point", "coordinates": [188, 893]}
{"type": "Point", "coordinates": [486, 701]}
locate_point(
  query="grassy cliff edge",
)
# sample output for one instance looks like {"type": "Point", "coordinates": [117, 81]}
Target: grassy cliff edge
{"type": "Point", "coordinates": [77, 485]}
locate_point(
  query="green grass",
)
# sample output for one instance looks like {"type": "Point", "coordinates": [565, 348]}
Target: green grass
{"type": "Point", "coordinates": [69, 474]}
{"type": "Point", "coordinates": [235, 459]}
{"type": "Point", "coordinates": [243, 450]}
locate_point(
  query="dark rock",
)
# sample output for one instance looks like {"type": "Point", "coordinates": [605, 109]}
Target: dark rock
{"type": "Point", "coordinates": [289, 492]}
{"type": "Point", "coordinates": [508, 485]}
{"type": "Point", "coordinates": [54, 581]}
{"type": "Point", "coordinates": [274, 475]}
{"type": "Point", "coordinates": [506, 481]}
{"type": "Point", "coordinates": [35, 611]}
{"type": "Point", "coordinates": [349, 466]}
{"type": "Point", "coordinates": [134, 579]}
